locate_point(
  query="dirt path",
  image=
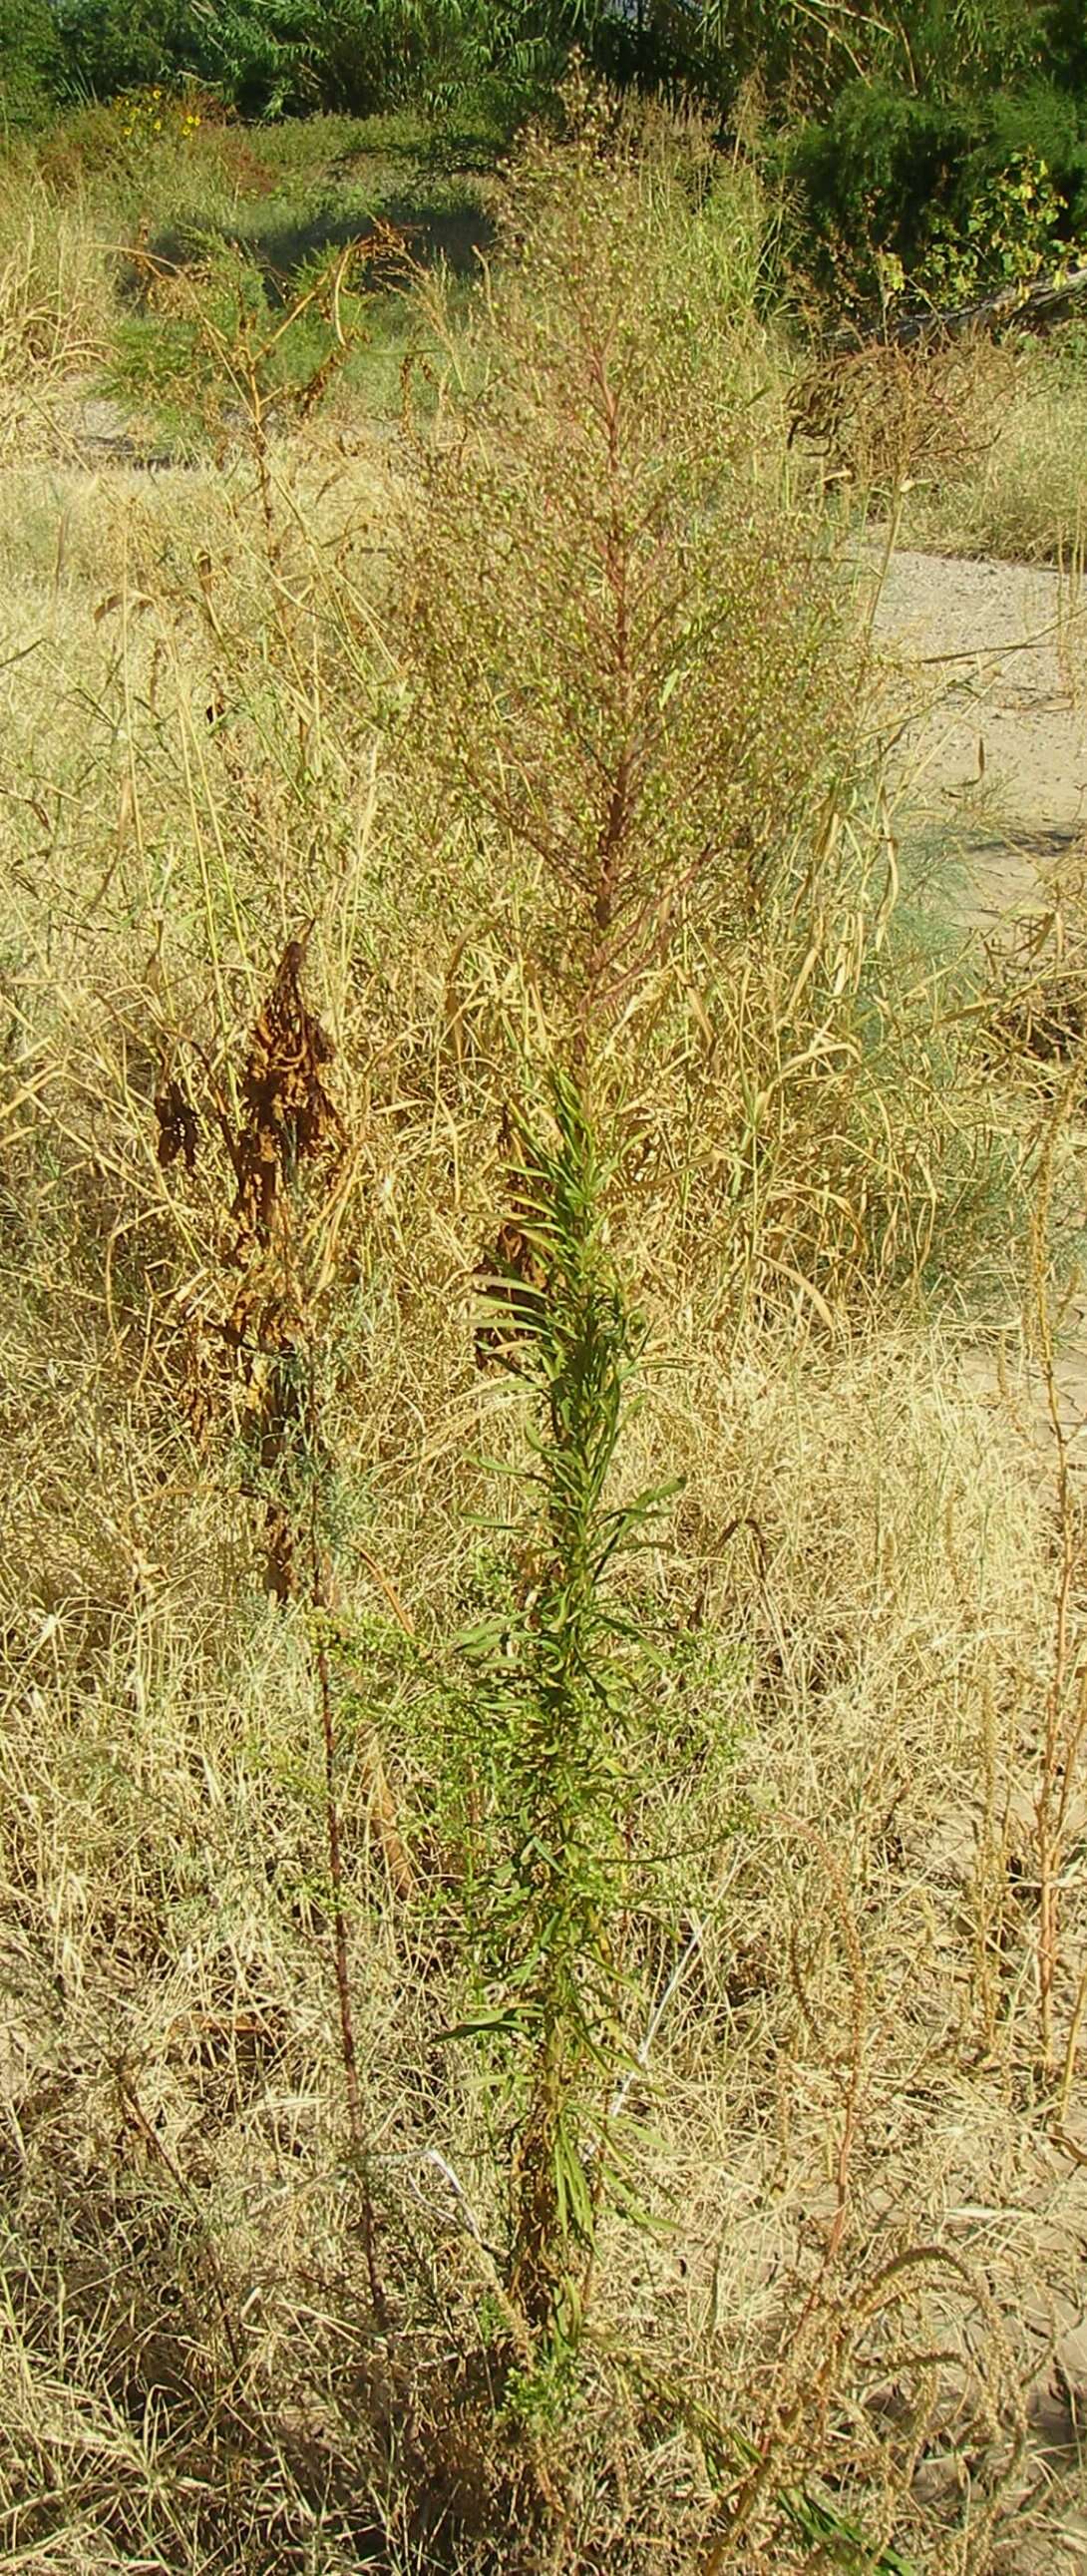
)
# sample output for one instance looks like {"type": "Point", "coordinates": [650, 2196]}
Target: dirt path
{"type": "Point", "coordinates": [993, 766]}
{"type": "Point", "coordinates": [997, 757]}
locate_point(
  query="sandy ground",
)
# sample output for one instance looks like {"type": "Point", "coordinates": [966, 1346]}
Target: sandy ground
{"type": "Point", "coordinates": [994, 658]}
{"type": "Point", "coordinates": [996, 646]}
{"type": "Point", "coordinates": [991, 770]}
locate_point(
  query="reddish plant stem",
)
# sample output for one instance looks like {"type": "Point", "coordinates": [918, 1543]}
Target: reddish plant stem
{"type": "Point", "coordinates": [340, 1952]}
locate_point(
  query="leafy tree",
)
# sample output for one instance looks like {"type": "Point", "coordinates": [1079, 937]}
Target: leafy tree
{"type": "Point", "coordinates": [111, 45]}
{"type": "Point", "coordinates": [1067, 31]}
{"type": "Point", "coordinates": [272, 56]}
{"type": "Point", "coordinates": [31, 62]}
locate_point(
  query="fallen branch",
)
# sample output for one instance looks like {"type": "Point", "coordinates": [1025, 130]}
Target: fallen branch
{"type": "Point", "coordinates": [1041, 301]}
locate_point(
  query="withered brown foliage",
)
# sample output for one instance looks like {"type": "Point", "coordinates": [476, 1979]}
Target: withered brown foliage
{"type": "Point", "coordinates": [287, 1120]}
{"type": "Point", "coordinates": [879, 413]}
{"type": "Point", "coordinates": [289, 1117]}
{"type": "Point", "coordinates": [265, 1333]}
{"type": "Point", "coordinates": [179, 1126]}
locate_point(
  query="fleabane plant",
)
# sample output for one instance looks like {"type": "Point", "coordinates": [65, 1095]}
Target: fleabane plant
{"type": "Point", "coordinates": [635, 683]}
{"type": "Point", "coordinates": [638, 772]}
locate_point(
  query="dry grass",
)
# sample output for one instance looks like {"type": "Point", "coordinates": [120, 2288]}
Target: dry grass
{"type": "Point", "coordinates": [54, 310]}
{"type": "Point", "coordinates": [1021, 493]}
{"type": "Point", "coordinates": [164, 1863]}
{"type": "Point", "coordinates": [975, 445]}
{"type": "Point", "coordinates": [868, 2204]}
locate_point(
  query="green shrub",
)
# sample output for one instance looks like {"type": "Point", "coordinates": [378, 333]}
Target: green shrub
{"type": "Point", "coordinates": [282, 57]}
{"type": "Point", "coordinates": [31, 63]}
{"type": "Point", "coordinates": [113, 45]}
{"type": "Point", "coordinates": [890, 174]}
{"type": "Point", "coordinates": [263, 55]}
{"type": "Point", "coordinates": [1067, 29]}
{"type": "Point", "coordinates": [1012, 229]}
{"type": "Point", "coordinates": [1042, 124]}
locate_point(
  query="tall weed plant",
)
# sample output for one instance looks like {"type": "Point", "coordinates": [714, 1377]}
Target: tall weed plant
{"type": "Point", "coordinates": [636, 697]}
{"type": "Point", "coordinates": [277, 956]}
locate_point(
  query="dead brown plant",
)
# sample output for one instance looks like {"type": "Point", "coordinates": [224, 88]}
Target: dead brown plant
{"type": "Point", "coordinates": [885, 417]}
{"type": "Point", "coordinates": [272, 959]}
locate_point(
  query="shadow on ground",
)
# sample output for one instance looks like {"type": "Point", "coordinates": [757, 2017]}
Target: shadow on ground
{"type": "Point", "coordinates": [455, 235]}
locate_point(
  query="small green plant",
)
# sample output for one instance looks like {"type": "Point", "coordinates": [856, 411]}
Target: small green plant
{"type": "Point", "coordinates": [213, 341]}
{"type": "Point", "coordinates": [557, 1713]}
{"type": "Point", "coordinates": [1014, 230]}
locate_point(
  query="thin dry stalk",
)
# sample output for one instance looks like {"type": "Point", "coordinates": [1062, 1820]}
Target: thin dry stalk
{"type": "Point", "coordinates": [337, 1878]}
{"type": "Point", "coordinates": [1072, 613]}
{"type": "Point", "coordinates": [288, 1126]}
{"type": "Point", "coordinates": [133, 2112]}
{"type": "Point", "coordinates": [805, 2383]}
{"type": "Point", "coordinates": [1065, 1711]}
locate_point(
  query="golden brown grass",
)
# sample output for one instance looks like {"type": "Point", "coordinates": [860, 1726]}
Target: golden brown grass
{"type": "Point", "coordinates": [975, 445]}
{"type": "Point", "coordinates": [867, 2199]}
{"type": "Point", "coordinates": [1013, 486]}
{"type": "Point", "coordinates": [54, 307]}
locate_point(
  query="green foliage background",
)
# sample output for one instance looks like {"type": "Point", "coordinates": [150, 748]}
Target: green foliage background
{"type": "Point", "coordinates": [891, 127]}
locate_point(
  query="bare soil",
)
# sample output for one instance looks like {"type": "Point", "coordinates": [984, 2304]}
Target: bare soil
{"type": "Point", "coordinates": [989, 633]}
{"type": "Point", "coordinates": [990, 660]}
{"type": "Point", "coordinates": [994, 657]}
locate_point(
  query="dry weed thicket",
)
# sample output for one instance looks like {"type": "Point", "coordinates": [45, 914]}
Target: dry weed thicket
{"type": "Point", "coordinates": [645, 777]}
{"type": "Point", "coordinates": [889, 420]}
{"type": "Point", "coordinates": [1016, 486]}
{"type": "Point", "coordinates": [537, 737]}
{"type": "Point", "coordinates": [974, 443]}
{"type": "Point", "coordinates": [54, 306]}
